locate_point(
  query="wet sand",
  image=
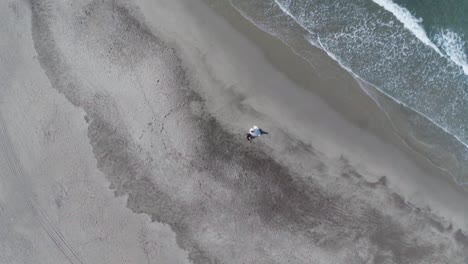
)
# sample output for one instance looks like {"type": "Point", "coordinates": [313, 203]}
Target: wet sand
{"type": "Point", "coordinates": [122, 141]}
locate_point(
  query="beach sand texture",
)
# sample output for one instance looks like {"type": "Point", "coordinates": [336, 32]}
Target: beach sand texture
{"type": "Point", "coordinates": [122, 135]}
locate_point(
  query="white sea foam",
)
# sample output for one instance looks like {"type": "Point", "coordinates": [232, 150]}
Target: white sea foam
{"type": "Point", "coordinates": [410, 22]}
{"type": "Point", "coordinates": [357, 77]}
{"type": "Point", "coordinates": [334, 57]}
{"type": "Point", "coordinates": [450, 42]}
{"type": "Point", "coordinates": [406, 13]}
{"type": "Point", "coordinates": [454, 47]}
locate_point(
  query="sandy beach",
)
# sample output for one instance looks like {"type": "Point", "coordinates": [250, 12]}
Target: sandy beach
{"type": "Point", "coordinates": [122, 135]}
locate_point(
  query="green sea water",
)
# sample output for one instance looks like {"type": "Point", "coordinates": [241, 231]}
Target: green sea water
{"type": "Point", "coordinates": [445, 22]}
{"type": "Point", "coordinates": [437, 15]}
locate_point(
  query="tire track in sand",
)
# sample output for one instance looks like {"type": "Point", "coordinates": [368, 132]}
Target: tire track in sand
{"type": "Point", "coordinates": [19, 179]}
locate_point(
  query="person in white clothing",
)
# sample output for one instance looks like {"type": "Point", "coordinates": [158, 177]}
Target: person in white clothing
{"type": "Point", "coordinates": [255, 132]}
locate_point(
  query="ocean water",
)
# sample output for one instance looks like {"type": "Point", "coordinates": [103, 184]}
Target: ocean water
{"type": "Point", "coordinates": [413, 52]}
{"type": "Point", "coordinates": [445, 24]}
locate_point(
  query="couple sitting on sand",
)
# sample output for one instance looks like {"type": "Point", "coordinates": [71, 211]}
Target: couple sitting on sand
{"type": "Point", "coordinates": [255, 132]}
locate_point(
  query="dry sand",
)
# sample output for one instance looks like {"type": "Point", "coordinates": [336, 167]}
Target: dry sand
{"type": "Point", "coordinates": [122, 142]}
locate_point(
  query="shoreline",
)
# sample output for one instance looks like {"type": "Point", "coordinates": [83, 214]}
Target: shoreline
{"type": "Point", "coordinates": [323, 128]}
{"type": "Point", "coordinates": [375, 121]}
{"type": "Point", "coordinates": [378, 122]}
{"type": "Point", "coordinates": [421, 185]}
{"type": "Point", "coordinates": [449, 154]}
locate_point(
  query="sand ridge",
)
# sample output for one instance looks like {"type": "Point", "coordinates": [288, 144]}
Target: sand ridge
{"type": "Point", "coordinates": [127, 116]}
